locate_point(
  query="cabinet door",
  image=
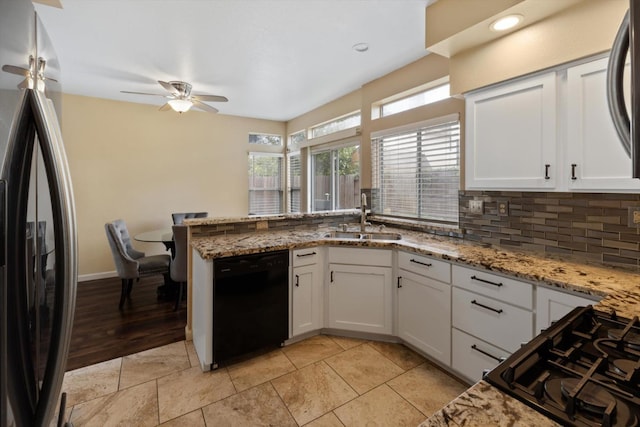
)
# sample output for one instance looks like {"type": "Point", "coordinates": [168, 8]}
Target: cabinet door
{"type": "Point", "coordinates": [593, 144]}
{"type": "Point", "coordinates": [424, 314]}
{"type": "Point", "coordinates": [360, 298]}
{"type": "Point", "coordinates": [511, 135]}
{"type": "Point", "coordinates": [495, 322]}
{"type": "Point", "coordinates": [472, 356]}
{"type": "Point", "coordinates": [552, 305]}
{"type": "Point", "coordinates": [306, 304]}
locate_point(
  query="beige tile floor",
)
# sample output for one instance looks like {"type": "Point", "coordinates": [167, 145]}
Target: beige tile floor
{"type": "Point", "coordinates": [321, 381]}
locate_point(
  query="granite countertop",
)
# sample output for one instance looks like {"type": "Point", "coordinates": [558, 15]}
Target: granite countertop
{"type": "Point", "coordinates": [482, 404]}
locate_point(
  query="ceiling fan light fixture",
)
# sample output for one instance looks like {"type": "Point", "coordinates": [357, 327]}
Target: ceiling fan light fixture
{"type": "Point", "coordinates": [180, 105]}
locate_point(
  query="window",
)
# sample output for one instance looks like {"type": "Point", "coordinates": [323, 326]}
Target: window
{"type": "Point", "coordinates": [265, 184]}
{"type": "Point", "coordinates": [264, 139]}
{"type": "Point", "coordinates": [294, 182]}
{"type": "Point", "coordinates": [416, 172]}
{"type": "Point", "coordinates": [425, 97]}
{"type": "Point", "coordinates": [335, 178]}
{"type": "Point", "coordinates": [297, 138]}
{"type": "Point", "coordinates": [341, 123]}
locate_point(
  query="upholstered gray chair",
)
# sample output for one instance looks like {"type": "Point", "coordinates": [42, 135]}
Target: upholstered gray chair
{"type": "Point", "coordinates": [130, 263]}
{"type": "Point", "coordinates": [178, 218]}
{"type": "Point", "coordinates": [178, 266]}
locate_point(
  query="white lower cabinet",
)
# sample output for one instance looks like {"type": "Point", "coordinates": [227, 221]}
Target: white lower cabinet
{"type": "Point", "coordinates": [491, 316]}
{"type": "Point", "coordinates": [497, 322]}
{"type": "Point", "coordinates": [306, 291]}
{"type": "Point", "coordinates": [472, 356]}
{"type": "Point", "coordinates": [424, 314]}
{"type": "Point", "coordinates": [551, 305]}
{"type": "Point", "coordinates": [360, 296]}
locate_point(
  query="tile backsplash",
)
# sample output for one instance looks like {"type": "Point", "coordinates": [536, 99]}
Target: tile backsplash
{"type": "Point", "coordinates": [590, 225]}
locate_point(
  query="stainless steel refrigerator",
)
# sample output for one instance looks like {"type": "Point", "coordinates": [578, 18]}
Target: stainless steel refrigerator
{"type": "Point", "coordinates": [627, 123]}
{"type": "Point", "coordinates": [38, 272]}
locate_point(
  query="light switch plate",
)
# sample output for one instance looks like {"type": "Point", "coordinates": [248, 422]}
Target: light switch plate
{"type": "Point", "coordinates": [476, 206]}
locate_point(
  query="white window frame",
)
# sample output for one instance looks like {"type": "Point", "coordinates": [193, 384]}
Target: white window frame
{"type": "Point", "coordinates": [332, 148]}
{"type": "Point", "coordinates": [405, 159]}
{"type": "Point", "coordinates": [289, 186]}
{"type": "Point", "coordinates": [282, 182]}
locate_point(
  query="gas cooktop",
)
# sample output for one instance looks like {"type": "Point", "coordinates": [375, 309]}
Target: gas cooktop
{"type": "Point", "coordinates": [582, 371]}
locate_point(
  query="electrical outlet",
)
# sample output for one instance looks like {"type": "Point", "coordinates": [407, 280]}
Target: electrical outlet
{"type": "Point", "coordinates": [634, 216]}
{"type": "Point", "coordinates": [475, 206]}
{"type": "Point", "coordinates": [503, 208]}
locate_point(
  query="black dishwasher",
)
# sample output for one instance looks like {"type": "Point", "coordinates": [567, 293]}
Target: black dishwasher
{"type": "Point", "coordinates": [250, 304]}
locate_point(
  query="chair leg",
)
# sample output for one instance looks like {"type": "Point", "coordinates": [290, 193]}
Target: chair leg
{"type": "Point", "coordinates": [123, 293]}
{"type": "Point", "coordinates": [130, 287]}
{"type": "Point", "coordinates": [179, 298]}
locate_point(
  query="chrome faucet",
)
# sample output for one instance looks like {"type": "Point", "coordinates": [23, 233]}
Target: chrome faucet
{"type": "Point", "coordinates": [363, 213]}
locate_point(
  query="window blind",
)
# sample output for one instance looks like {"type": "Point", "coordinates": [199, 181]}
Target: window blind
{"type": "Point", "coordinates": [416, 172]}
{"type": "Point", "coordinates": [265, 184]}
{"type": "Point", "coordinates": [294, 182]}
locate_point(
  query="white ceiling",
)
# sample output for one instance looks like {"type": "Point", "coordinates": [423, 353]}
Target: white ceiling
{"type": "Point", "coordinates": [273, 59]}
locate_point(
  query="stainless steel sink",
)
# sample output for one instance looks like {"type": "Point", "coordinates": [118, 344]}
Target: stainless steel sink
{"type": "Point", "coordinates": [356, 235]}
{"type": "Point", "coordinates": [381, 236]}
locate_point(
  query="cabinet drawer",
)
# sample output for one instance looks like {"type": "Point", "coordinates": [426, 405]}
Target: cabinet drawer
{"type": "Point", "coordinates": [356, 256]}
{"type": "Point", "coordinates": [425, 266]}
{"type": "Point", "coordinates": [472, 356]}
{"type": "Point", "coordinates": [496, 322]}
{"type": "Point", "coordinates": [494, 286]}
{"type": "Point", "coordinates": [306, 256]}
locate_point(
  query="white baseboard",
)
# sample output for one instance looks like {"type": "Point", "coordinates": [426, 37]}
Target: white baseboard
{"type": "Point", "coordinates": [96, 276]}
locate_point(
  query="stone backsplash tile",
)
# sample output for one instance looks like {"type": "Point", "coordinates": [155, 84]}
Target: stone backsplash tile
{"type": "Point", "coordinates": [593, 226]}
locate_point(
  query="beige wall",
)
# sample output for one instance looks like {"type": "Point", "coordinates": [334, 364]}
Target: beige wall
{"type": "Point", "coordinates": [133, 162]}
{"type": "Point", "coordinates": [580, 31]}
{"type": "Point", "coordinates": [418, 73]}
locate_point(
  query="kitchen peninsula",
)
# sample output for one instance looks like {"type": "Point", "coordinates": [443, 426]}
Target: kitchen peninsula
{"type": "Point", "coordinates": [482, 404]}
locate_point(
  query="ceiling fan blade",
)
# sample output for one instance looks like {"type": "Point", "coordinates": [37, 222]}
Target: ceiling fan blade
{"type": "Point", "coordinates": [16, 70]}
{"type": "Point", "coordinates": [165, 107]}
{"type": "Point", "coordinates": [169, 87]}
{"type": "Point", "coordinates": [202, 106]}
{"type": "Point", "coordinates": [210, 98]}
{"type": "Point", "coordinates": [143, 93]}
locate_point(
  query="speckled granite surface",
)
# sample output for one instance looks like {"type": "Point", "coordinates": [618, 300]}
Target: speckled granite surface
{"type": "Point", "coordinates": [482, 404]}
{"type": "Point", "coordinates": [619, 287]}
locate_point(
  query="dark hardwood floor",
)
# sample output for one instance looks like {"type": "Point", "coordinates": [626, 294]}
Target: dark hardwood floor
{"type": "Point", "coordinates": [102, 332]}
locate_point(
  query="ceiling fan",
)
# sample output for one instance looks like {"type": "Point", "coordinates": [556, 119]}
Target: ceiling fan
{"type": "Point", "coordinates": [181, 99]}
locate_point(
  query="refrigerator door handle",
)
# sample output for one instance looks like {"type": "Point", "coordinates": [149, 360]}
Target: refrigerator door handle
{"type": "Point", "coordinates": [615, 92]}
{"type": "Point", "coordinates": [57, 171]}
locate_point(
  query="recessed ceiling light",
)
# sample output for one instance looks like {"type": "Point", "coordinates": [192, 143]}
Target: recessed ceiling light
{"type": "Point", "coordinates": [360, 47]}
{"type": "Point", "coordinates": [506, 22]}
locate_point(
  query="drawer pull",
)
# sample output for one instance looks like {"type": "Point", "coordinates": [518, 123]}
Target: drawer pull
{"type": "Point", "coordinates": [486, 307]}
{"type": "Point", "coordinates": [426, 264]}
{"type": "Point", "coordinates": [297, 281]}
{"type": "Point", "coordinates": [331, 276]}
{"type": "Point", "coordinates": [307, 254]}
{"type": "Point", "coordinates": [498, 359]}
{"type": "Point", "coordinates": [487, 281]}
{"type": "Point", "coordinates": [399, 284]}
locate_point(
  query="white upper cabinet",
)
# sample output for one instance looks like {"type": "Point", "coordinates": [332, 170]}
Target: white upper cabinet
{"type": "Point", "coordinates": [547, 132]}
{"type": "Point", "coordinates": [511, 135]}
{"type": "Point", "coordinates": [596, 160]}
